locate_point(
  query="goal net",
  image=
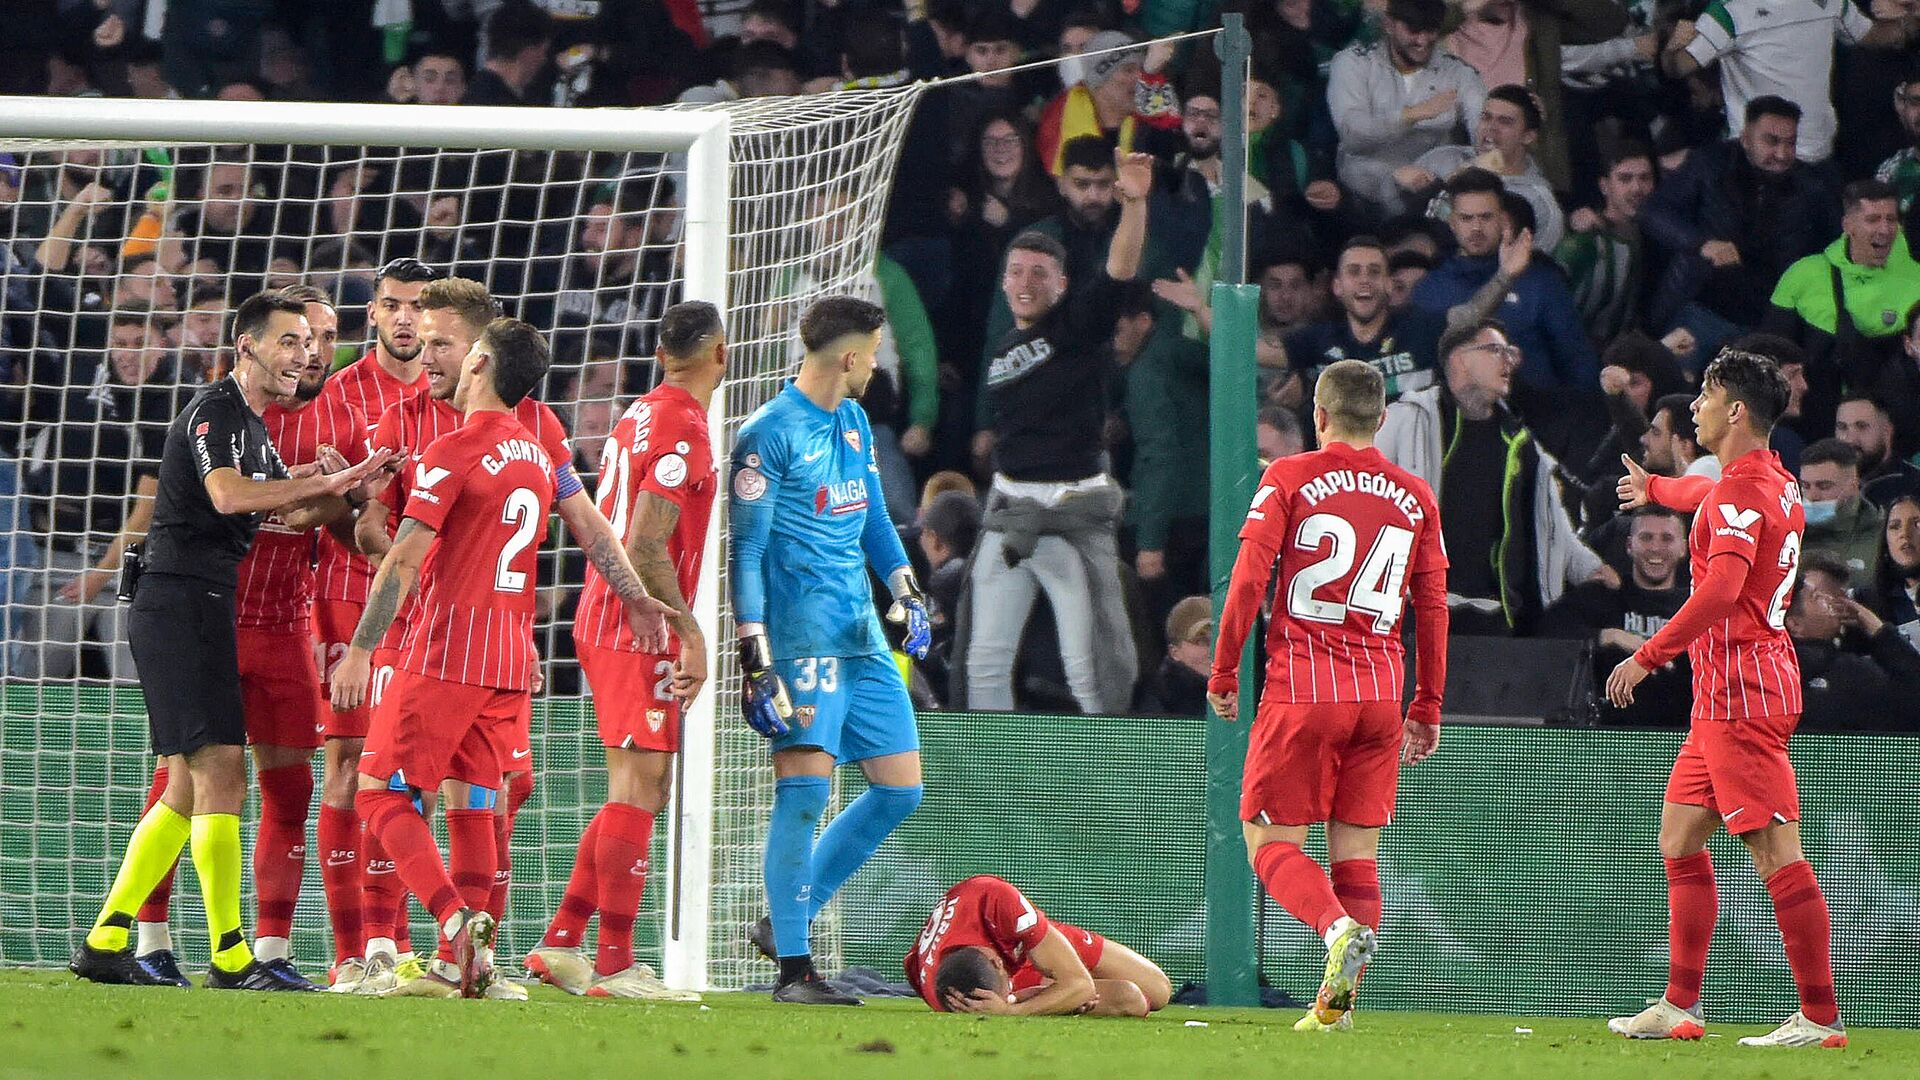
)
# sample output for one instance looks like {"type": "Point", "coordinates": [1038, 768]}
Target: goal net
{"type": "Point", "coordinates": [128, 232]}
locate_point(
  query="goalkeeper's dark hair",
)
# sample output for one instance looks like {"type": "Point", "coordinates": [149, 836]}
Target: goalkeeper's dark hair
{"type": "Point", "coordinates": [1748, 369]}
{"type": "Point", "coordinates": [686, 326]}
{"type": "Point", "coordinates": [407, 271]}
{"type": "Point", "coordinates": [520, 358]}
{"type": "Point", "coordinates": [307, 294]}
{"type": "Point", "coordinates": [251, 319]}
{"type": "Point", "coordinates": [827, 321]}
{"type": "Point", "coordinates": [964, 970]}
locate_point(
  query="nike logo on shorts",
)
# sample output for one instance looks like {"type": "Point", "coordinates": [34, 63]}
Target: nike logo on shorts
{"type": "Point", "coordinates": [518, 754]}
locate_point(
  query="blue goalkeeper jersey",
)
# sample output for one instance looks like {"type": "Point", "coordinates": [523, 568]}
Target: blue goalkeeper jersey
{"type": "Point", "coordinates": [806, 516]}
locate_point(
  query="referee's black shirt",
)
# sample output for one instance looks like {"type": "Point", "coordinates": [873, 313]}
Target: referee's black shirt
{"type": "Point", "coordinates": [189, 537]}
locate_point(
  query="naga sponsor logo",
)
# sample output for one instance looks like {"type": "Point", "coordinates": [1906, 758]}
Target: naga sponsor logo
{"type": "Point", "coordinates": [845, 497]}
{"type": "Point", "coordinates": [512, 450]}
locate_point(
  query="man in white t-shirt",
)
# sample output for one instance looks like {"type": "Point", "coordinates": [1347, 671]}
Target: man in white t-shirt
{"type": "Point", "coordinates": [1784, 47]}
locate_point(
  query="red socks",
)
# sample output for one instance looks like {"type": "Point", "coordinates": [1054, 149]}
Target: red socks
{"type": "Point", "coordinates": [280, 848]}
{"type": "Point", "coordinates": [1807, 930]}
{"type": "Point", "coordinates": [1693, 903]}
{"type": "Point", "coordinates": [338, 834]}
{"type": "Point", "coordinates": [1356, 884]}
{"type": "Point", "coordinates": [577, 905]}
{"type": "Point", "coordinates": [155, 909]}
{"type": "Point", "coordinates": [470, 855]}
{"type": "Point", "coordinates": [620, 863]}
{"type": "Point", "coordinates": [381, 891]}
{"type": "Point", "coordinates": [1297, 884]}
{"type": "Point", "coordinates": [519, 787]}
{"type": "Point", "coordinates": [400, 831]}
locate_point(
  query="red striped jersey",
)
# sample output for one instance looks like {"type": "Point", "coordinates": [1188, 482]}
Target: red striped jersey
{"type": "Point", "coordinates": [982, 911]}
{"type": "Point", "coordinates": [1341, 532]}
{"type": "Point", "coordinates": [343, 573]}
{"type": "Point", "coordinates": [1744, 664]}
{"type": "Point", "coordinates": [412, 425]}
{"type": "Point", "coordinates": [659, 446]}
{"type": "Point", "coordinates": [485, 490]}
{"type": "Point", "coordinates": [276, 578]}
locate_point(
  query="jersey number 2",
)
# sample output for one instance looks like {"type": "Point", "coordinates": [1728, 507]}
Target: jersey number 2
{"type": "Point", "coordinates": [523, 513]}
{"type": "Point", "coordinates": [1790, 562]}
{"type": "Point", "coordinates": [1376, 588]}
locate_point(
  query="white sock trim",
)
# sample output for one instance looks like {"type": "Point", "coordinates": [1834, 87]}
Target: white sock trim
{"type": "Point", "coordinates": [272, 948]}
{"type": "Point", "coordinates": [153, 937]}
{"type": "Point", "coordinates": [382, 946]}
{"type": "Point", "coordinates": [1339, 927]}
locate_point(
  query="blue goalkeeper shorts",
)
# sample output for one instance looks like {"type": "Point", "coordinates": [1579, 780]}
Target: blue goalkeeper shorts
{"type": "Point", "coordinates": [852, 707]}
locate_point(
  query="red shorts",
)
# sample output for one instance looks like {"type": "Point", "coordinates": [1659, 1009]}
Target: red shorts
{"type": "Point", "coordinates": [631, 699]}
{"type": "Point", "coordinates": [427, 731]}
{"type": "Point", "coordinates": [1738, 769]}
{"type": "Point", "coordinates": [334, 622]}
{"type": "Point", "coordinates": [512, 735]}
{"type": "Point", "coordinates": [1322, 762]}
{"type": "Point", "coordinates": [1089, 945]}
{"type": "Point", "coordinates": [280, 688]}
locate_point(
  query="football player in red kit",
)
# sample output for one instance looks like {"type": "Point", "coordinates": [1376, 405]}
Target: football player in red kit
{"type": "Point", "coordinates": [1342, 534]}
{"type": "Point", "coordinates": [452, 314]}
{"type": "Point", "coordinates": [657, 487]}
{"type": "Point", "coordinates": [987, 949]}
{"type": "Point", "coordinates": [1733, 769]}
{"type": "Point", "coordinates": [479, 505]}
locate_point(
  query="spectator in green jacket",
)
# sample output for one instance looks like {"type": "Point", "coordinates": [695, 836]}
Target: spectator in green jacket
{"type": "Point", "coordinates": [1839, 519]}
{"type": "Point", "coordinates": [1870, 271]}
{"type": "Point", "coordinates": [1165, 375]}
{"type": "Point", "coordinates": [1603, 253]}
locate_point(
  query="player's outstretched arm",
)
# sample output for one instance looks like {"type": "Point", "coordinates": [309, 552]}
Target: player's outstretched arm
{"type": "Point", "coordinates": [1132, 183]}
{"type": "Point", "coordinates": [1638, 488]}
{"type": "Point", "coordinates": [1069, 991]}
{"type": "Point", "coordinates": [1713, 598]}
{"type": "Point", "coordinates": [394, 581]}
{"type": "Point", "coordinates": [370, 530]}
{"type": "Point", "coordinates": [594, 533]}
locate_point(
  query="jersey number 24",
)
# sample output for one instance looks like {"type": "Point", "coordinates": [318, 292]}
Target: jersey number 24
{"type": "Point", "coordinates": [1374, 591]}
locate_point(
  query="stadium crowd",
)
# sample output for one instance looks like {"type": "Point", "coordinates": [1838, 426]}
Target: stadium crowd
{"type": "Point", "coordinates": [1638, 185]}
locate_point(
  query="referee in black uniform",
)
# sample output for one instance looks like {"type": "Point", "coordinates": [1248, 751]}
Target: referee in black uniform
{"type": "Point", "coordinates": [219, 476]}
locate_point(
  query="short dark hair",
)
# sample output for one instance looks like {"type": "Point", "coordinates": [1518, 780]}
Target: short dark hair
{"type": "Point", "coordinates": [686, 324]}
{"type": "Point", "coordinates": [1626, 150]}
{"type": "Point", "coordinates": [1831, 451]}
{"type": "Point", "coordinates": [1655, 510]}
{"type": "Point", "coordinates": [1519, 211]}
{"type": "Point", "coordinates": [1868, 190]}
{"type": "Point", "coordinates": [517, 25]}
{"type": "Point", "coordinates": [992, 24]}
{"type": "Point", "coordinates": [307, 294]}
{"type": "Point", "coordinates": [1285, 421]}
{"type": "Point", "coordinates": [763, 56]}
{"type": "Point", "coordinates": [1680, 407]}
{"type": "Point", "coordinates": [1475, 180]}
{"type": "Point", "coordinates": [1408, 259]}
{"type": "Point", "coordinates": [954, 517]}
{"type": "Point", "coordinates": [1827, 562]}
{"type": "Point", "coordinates": [250, 319]}
{"type": "Point", "coordinates": [1041, 243]}
{"type": "Point", "coordinates": [520, 358]}
{"type": "Point", "coordinates": [1772, 105]}
{"type": "Point", "coordinates": [1520, 98]}
{"type": "Point", "coordinates": [1866, 399]}
{"type": "Point", "coordinates": [773, 11]}
{"type": "Point", "coordinates": [1087, 152]}
{"type": "Point", "coordinates": [1641, 355]}
{"type": "Point", "coordinates": [1360, 240]}
{"type": "Point", "coordinates": [1288, 255]}
{"type": "Point", "coordinates": [829, 319]}
{"type": "Point", "coordinates": [873, 46]}
{"type": "Point", "coordinates": [1461, 334]}
{"type": "Point", "coordinates": [407, 271]}
{"type": "Point", "coordinates": [435, 48]}
{"type": "Point", "coordinates": [964, 970]}
{"type": "Point", "coordinates": [1749, 371]}
{"type": "Point", "coordinates": [136, 313]}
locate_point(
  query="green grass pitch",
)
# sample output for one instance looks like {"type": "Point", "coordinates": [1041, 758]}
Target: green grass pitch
{"type": "Point", "coordinates": [51, 1025]}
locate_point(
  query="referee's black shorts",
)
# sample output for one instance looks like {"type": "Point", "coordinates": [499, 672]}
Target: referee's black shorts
{"type": "Point", "coordinates": [181, 630]}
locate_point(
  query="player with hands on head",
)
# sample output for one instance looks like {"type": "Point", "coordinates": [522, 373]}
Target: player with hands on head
{"type": "Point", "coordinates": [807, 518]}
{"type": "Point", "coordinates": [987, 949]}
{"type": "Point", "coordinates": [1733, 768]}
{"type": "Point", "coordinates": [1343, 535]}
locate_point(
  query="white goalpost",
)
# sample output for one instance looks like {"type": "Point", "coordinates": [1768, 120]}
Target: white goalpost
{"type": "Point", "coordinates": [125, 223]}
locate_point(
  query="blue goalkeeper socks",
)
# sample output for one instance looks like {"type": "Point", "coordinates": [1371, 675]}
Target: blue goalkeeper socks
{"type": "Point", "coordinates": [854, 835]}
{"type": "Point", "coordinates": [798, 802]}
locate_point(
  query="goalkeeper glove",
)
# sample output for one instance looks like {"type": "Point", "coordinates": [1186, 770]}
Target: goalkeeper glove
{"type": "Point", "coordinates": [910, 610]}
{"type": "Point", "coordinates": [763, 696]}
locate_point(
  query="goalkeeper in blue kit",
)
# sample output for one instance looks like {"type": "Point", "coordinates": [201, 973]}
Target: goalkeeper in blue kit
{"type": "Point", "coordinates": [806, 518]}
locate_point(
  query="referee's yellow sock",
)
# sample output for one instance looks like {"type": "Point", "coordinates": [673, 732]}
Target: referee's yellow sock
{"type": "Point", "coordinates": [151, 852]}
{"type": "Point", "coordinates": [217, 859]}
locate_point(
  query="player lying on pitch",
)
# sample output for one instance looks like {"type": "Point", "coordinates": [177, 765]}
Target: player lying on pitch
{"type": "Point", "coordinates": [987, 949]}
